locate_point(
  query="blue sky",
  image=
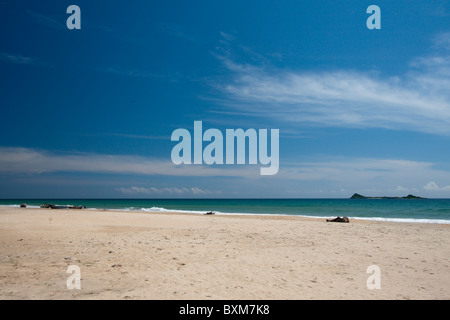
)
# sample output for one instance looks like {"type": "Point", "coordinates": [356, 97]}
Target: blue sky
{"type": "Point", "coordinates": [90, 112]}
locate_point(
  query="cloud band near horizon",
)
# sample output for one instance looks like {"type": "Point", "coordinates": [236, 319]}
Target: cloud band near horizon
{"type": "Point", "coordinates": [346, 173]}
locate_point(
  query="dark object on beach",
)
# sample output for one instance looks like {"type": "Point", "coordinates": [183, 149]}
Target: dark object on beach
{"type": "Point", "coordinates": [210, 212]}
{"type": "Point", "coordinates": [77, 207]}
{"type": "Point", "coordinates": [23, 205]}
{"type": "Point", "coordinates": [339, 219]}
{"type": "Point", "coordinates": [53, 206]}
{"type": "Point", "coordinates": [47, 205]}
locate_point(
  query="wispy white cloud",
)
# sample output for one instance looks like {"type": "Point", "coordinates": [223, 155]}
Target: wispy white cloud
{"type": "Point", "coordinates": [22, 60]}
{"type": "Point", "coordinates": [432, 186]}
{"type": "Point", "coordinates": [15, 58]}
{"type": "Point", "coordinates": [417, 101]}
{"type": "Point", "coordinates": [26, 160]}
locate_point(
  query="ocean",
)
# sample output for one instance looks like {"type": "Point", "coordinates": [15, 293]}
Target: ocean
{"type": "Point", "coordinates": [401, 210]}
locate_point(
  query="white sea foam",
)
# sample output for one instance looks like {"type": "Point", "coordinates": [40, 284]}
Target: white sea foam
{"type": "Point", "coordinates": [17, 206]}
{"type": "Point", "coordinates": [157, 209]}
{"type": "Point", "coordinates": [408, 220]}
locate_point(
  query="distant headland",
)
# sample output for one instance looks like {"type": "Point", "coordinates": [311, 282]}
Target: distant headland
{"type": "Point", "coordinates": [409, 196]}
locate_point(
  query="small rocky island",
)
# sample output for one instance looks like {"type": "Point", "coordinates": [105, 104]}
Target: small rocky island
{"type": "Point", "coordinates": [409, 196]}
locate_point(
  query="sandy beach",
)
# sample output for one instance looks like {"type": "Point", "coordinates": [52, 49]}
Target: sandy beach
{"type": "Point", "coordinates": [133, 255]}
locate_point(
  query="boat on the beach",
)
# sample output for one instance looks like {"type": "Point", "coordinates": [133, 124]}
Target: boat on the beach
{"type": "Point", "coordinates": [67, 206]}
{"type": "Point", "coordinates": [77, 207]}
{"type": "Point", "coordinates": [56, 206]}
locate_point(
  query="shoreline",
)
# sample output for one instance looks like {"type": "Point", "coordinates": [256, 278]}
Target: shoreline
{"type": "Point", "coordinates": [218, 213]}
{"type": "Point", "coordinates": [143, 255]}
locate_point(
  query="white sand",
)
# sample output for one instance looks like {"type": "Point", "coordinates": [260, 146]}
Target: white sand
{"type": "Point", "coordinates": [126, 255]}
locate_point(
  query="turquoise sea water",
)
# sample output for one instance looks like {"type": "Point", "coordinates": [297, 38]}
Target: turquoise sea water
{"type": "Point", "coordinates": [408, 210]}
